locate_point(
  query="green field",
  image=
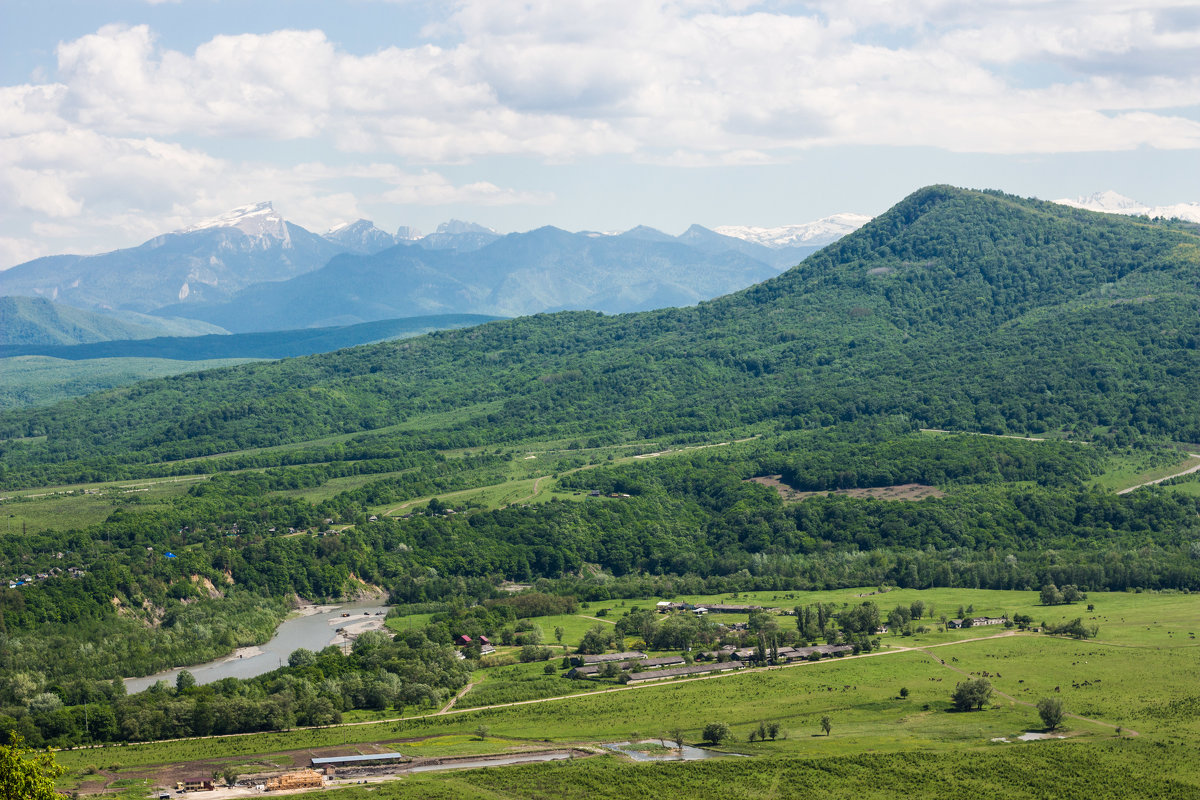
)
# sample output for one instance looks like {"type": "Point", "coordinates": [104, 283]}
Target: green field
{"type": "Point", "coordinates": [1137, 469]}
{"type": "Point", "coordinates": [1103, 681]}
{"type": "Point", "coordinates": [63, 508]}
{"type": "Point", "coordinates": [40, 380]}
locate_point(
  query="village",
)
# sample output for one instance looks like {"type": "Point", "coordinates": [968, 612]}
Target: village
{"type": "Point", "coordinates": [619, 668]}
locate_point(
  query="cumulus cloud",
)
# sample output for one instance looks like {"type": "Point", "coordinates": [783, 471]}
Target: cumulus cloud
{"type": "Point", "coordinates": [681, 82]}
{"type": "Point", "coordinates": [565, 80]}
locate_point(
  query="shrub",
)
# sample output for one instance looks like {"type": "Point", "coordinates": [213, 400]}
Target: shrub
{"type": "Point", "coordinates": [716, 732]}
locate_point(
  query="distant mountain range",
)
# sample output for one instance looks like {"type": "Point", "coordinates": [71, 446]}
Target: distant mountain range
{"type": "Point", "coordinates": [208, 262]}
{"type": "Point", "coordinates": [522, 273]}
{"type": "Point", "coordinates": [1113, 203]}
{"type": "Point", "coordinates": [252, 270]}
{"type": "Point", "coordinates": [817, 233]}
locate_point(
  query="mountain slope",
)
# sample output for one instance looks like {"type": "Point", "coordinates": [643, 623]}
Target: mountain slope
{"type": "Point", "coordinates": [523, 273]}
{"type": "Point", "coordinates": [205, 263]}
{"type": "Point", "coordinates": [956, 309]}
{"type": "Point", "coordinates": [360, 236]}
{"type": "Point", "coordinates": [34, 321]}
{"type": "Point", "coordinates": [273, 344]}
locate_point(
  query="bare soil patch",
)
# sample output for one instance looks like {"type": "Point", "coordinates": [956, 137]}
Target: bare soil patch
{"type": "Point", "coordinates": [904, 491]}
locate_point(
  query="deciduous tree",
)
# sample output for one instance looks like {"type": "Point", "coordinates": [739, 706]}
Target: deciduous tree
{"type": "Point", "coordinates": [25, 775]}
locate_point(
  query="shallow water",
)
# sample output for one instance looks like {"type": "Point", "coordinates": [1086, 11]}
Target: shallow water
{"type": "Point", "coordinates": [314, 632]}
{"type": "Point", "coordinates": [689, 753]}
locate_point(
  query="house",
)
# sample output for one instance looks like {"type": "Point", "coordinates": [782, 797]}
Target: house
{"type": "Point", "coordinates": [976, 622]}
{"type": "Point", "coordinates": [195, 785]}
{"type": "Point", "coordinates": [822, 650]}
{"type": "Point", "coordinates": [463, 641]}
{"type": "Point", "coordinates": [665, 606]}
{"type": "Point", "coordinates": [700, 612]}
{"type": "Point", "coordinates": [694, 669]}
{"type": "Point", "coordinates": [649, 663]}
{"type": "Point", "coordinates": [725, 608]}
{"type": "Point", "coordinates": [604, 658]}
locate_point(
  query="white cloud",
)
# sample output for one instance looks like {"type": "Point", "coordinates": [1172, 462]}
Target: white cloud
{"type": "Point", "coordinates": [681, 82]}
{"type": "Point", "coordinates": [15, 251]}
{"type": "Point", "coordinates": [565, 80]}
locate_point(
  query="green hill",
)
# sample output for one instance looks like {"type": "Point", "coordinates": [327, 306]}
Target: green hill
{"type": "Point", "coordinates": [956, 309]}
{"type": "Point", "coordinates": [334, 473]}
{"type": "Point", "coordinates": [26, 321]}
{"type": "Point", "coordinates": [39, 380]}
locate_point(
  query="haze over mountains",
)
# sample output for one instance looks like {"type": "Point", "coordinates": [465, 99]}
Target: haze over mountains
{"type": "Point", "coordinates": [1111, 202]}
{"type": "Point", "coordinates": [37, 321]}
{"type": "Point", "coordinates": [252, 270]}
{"type": "Point", "coordinates": [207, 262]}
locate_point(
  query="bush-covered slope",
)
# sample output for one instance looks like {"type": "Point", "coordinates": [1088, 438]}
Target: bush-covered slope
{"type": "Point", "coordinates": [37, 321]}
{"type": "Point", "coordinates": [959, 309]}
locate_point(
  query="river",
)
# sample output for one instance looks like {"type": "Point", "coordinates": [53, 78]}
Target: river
{"type": "Point", "coordinates": [315, 628]}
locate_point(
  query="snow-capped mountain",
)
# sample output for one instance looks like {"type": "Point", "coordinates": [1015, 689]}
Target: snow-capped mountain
{"type": "Point", "coordinates": [361, 236]}
{"type": "Point", "coordinates": [193, 271]}
{"type": "Point", "coordinates": [816, 233]}
{"type": "Point", "coordinates": [206, 262]}
{"type": "Point", "coordinates": [1111, 202]}
{"type": "Point", "coordinates": [458, 236]}
{"type": "Point", "coordinates": [258, 221]}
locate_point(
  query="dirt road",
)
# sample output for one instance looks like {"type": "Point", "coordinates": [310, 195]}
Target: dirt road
{"type": "Point", "coordinates": [1193, 468]}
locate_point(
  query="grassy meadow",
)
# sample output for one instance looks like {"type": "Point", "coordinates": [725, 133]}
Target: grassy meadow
{"type": "Point", "coordinates": [1132, 692]}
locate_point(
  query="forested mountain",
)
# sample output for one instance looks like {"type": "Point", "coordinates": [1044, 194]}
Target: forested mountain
{"type": "Point", "coordinates": [958, 309]}
{"type": "Point", "coordinates": [34, 321]}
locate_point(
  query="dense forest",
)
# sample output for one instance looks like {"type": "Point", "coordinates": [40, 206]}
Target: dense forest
{"type": "Point", "coordinates": [958, 310]}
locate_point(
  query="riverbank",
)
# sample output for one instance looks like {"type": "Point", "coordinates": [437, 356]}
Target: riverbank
{"type": "Point", "coordinates": [310, 626]}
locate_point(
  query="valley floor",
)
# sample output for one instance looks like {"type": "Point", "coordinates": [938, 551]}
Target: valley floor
{"type": "Point", "coordinates": [1130, 697]}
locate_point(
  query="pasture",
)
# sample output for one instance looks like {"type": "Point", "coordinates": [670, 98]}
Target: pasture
{"type": "Point", "coordinates": [1134, 686]}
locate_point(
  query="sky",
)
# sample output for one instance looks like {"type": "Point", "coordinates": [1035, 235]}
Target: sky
{"type": "Point", "coordinates": [123, 119]}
